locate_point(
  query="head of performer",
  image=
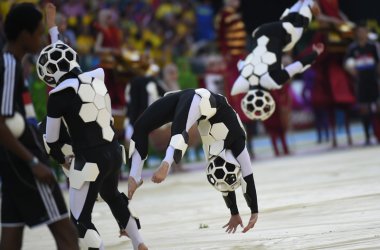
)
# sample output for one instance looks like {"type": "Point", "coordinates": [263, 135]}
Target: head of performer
{"type": "Point", "coordinates": [224, 172]}
{"type": "Point", "coordinates": [56, 63]}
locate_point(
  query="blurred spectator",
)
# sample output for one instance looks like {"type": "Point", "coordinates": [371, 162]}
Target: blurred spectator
{"type": "Point", "coordinates": [231, 39]}
{"type": "Point", "coordinates": [73, 8]}
{"type": "Point", "coordinates": [204, 28]}
{"type": "Point", "coordinates": [362, 62]}
{"type": "Point", "coordinates": [277, 125]}
{"type": "Point", "coordinates": [213, 78]}
{"type": "Point", "coordinates": [108, 46]}
{"type": "Point", "coordinates": [67, 34]}
{"type": "Point", "coordinates": [170, 77]}
{"type": "Point", "coordinates": [331, 80]}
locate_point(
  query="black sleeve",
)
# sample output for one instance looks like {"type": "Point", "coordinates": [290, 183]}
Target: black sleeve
{"type": "Point", "coordinates": [250, 194]}
{"type": "Point", "coordinates": [230, 200]}
{"type": "Point", "coordinates": [8, 78]}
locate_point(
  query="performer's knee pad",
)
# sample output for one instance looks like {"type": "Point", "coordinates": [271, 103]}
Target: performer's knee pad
{"type": "Point", "coordinates": [82, 172]}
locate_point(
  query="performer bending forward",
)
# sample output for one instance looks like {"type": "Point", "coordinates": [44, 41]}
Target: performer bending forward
{"type": "Point", "coordinates": [220, 129]}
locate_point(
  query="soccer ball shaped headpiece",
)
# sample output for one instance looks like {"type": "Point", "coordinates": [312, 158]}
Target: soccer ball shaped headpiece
{"type": "Point", "coordinates": [55, 61]}
{"type": "Point", "coordinates": [258, 104]}
{"type": "Point", "coordinates": [224, 172]}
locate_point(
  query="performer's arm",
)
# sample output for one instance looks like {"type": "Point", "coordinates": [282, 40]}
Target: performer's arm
{"type": "Point", "coordinates": [230, 200]}
{"type": "Point", "coordinates": [55, 109]}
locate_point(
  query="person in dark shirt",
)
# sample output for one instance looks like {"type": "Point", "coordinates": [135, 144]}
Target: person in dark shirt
{"type": "Point", "coordinates": [30, 193]}
{"type": "Point", "coordinates": [362, 62]}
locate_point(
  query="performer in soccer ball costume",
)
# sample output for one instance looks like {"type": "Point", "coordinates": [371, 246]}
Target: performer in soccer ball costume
{"type": "Point", "coordinates": [82, 102]}
{"type": "Point", "coordinates": [221, 131]}
{"type": "Point", "coordinates": [262, 68]}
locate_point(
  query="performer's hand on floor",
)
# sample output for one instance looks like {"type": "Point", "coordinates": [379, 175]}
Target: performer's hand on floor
{"type": "Point", "coordinates": [43, 173]}
{"type": "Point", "coordinates": [132, 186]}
{"type": "Point", "coordinates": [233, 223]}
{"type": "Point", "coordinates": [251, 223]}
{"type": "Point", "coordinates": [319, 48]}
{"type": "Point", "coordinates": [161, 173]}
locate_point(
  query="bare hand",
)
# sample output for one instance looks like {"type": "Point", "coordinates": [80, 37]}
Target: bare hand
{"type": "Point", "coordinates": [161, 173]}
{"type": "Point", "coordinates": [50, 11]}
{"type": "Point", "coordinates": [132, 186]}
{"type": "Point", "coordinates": [319, 48]}
{"type": "Point", "coordinates": [251, 223]}
{"type": "Point", "coordinates": [43, 173]}
{"type": "Point", "coordinates": [232, 224]}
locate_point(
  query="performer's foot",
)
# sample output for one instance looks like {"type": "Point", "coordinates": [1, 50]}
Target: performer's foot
{"type": "Point", "coordinates": [132, 186]}
{"type": "Point", "coordinates": [142, 247]}
{"type": "Point", "coordinates": [161, 173]}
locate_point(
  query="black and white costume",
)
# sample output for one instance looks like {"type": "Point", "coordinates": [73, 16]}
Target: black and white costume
{"type": "Point", "coordinates": [82, 103]}
{"type": "Point", "coordinates": [20, 189]}
{"type": "Point", "coordinates": [218, 124]}
{"type": "Point", "coordinates": [140, 93]}
{"type": "Point", "coordinates": [262, 67]}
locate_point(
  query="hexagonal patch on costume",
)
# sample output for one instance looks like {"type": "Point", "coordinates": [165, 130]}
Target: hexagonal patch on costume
{"type": "Point", "coordinates": [107, 99]}
{"type": "Point", "coordinates": [247, 70]}
{"type": "Point", "coordinates": [258, 51]}
{"type": "Point", "coordinates": [104, 118]}
{"type": "Point", "coordinates": [85, 78]}
{"type": "Point", "coordinates": [86, 93]}
{"type": "Point", "coordinates": [89, 172]}
{"type": "Point", "coordinates": [268, 58]}
{"type": "Point", "coordinates": [260, 69]}
{"type": "Point", "coordinates": [216, 147]}
{"type": "Point", "coordinates": [88, 112]}
{"type": "Point", "coordinates": [255, 60]}
{"type": "Point", "coordinates": [100, 101]}
{"type": "Point", "coordinates": [219, 131]}
{"type": "Point", "coordinates": [99, 86]}
{"type": "Point", "coordinates": [263, 41]}
{"type": "Point", "coordinates": [208, 139]}
{"type": "Point", "coordinates": [253, 80]}
{"type": "Point", "coordinates": [67, 149]}
{"type": "Point", "coordinates": [108, 133]}
{"type": "Point", "coordinates": [204, 127]}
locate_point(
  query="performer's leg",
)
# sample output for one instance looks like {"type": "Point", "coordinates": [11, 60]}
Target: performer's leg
{"type": "Point", "coordinates": [81, 205]}
{"type": "Point", "coordinates": [187, 113]}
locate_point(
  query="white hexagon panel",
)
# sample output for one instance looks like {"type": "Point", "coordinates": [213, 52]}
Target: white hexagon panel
{"type": "Point", "coordinates": [216, 147]}
{"type": "Point", "coordinates": [86, 93]}
{"type": "Point", "coordinates": [269, 58]}
{"type": "Point", "coordinates": [248, 58]}
{"type": "Point", "coordinates": [253, 80]}
{"type": "Point", "coordinates": [85, 78]}
{"type": "Point", "coordinates": [255, 60]}
{"type": "Point", "coordinates": [99, 86]}
{"type": "Point", "coordinates": [107, 99]}
{"type": "Point", "coordinates": [108, 133]}
{"type": "Point", "coordinates": [261, 69]}
{"type": "Point", "coordinates": [247, 70]}
{"type": "Point", "coordinates": [67, 149]}
{"type": "Point", "coordinates": [207, 139]}
{"type": "Point", "coordinates": [104, 118]}
{"type": "Point", "coordinates": [259, 50]}
{"type": "Point", "coordinates": [204, 127]}
{"type": "Point", "coordinates": [88, 112]}
{"type": "Point", "coordinates": [100, 101]}
{"type": "Point", "coordinates": [205, 107]}
{"type": "Point", "coordinates": [263, 41]}
{"type": "Point", "coordinates": [219, 131]}
{"type": "Point", "coordinates": [89, 173]}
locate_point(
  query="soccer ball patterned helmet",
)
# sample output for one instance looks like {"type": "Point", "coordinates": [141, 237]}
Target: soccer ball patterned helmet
{"type": "Point", "coordinates": [258, 104]}
{"type": "Point", "coordinates": [223, 172]}
{"type": "Point", "coordinates": [55, 61]}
